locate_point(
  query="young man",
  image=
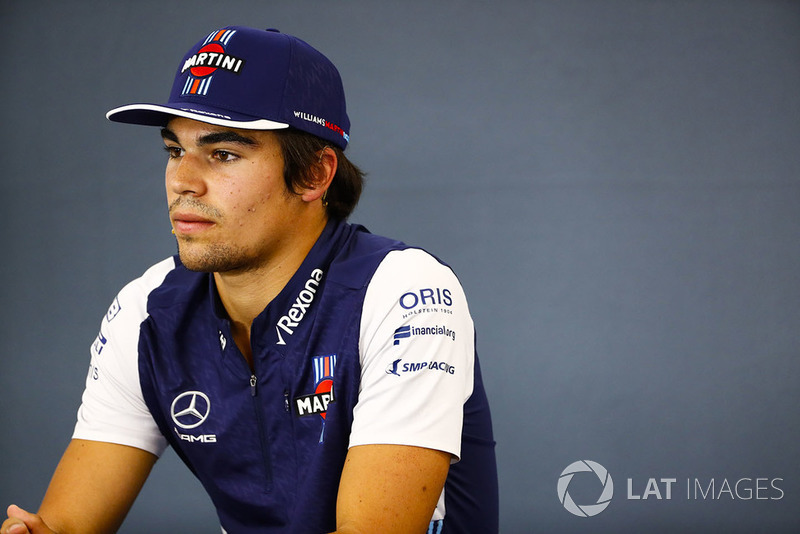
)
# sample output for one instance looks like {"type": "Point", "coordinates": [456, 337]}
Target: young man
{"type": "Point", "coordinates": [313, 376]}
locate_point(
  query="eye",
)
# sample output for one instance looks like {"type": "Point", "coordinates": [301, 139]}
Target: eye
{"type": "Point", "coordinates": [224, 156]}
{"type": "Point", "coordinates": [173, 151]}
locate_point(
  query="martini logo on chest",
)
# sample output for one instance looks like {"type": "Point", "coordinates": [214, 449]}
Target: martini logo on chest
{"type": "Point", "coordinates": [317, 402]}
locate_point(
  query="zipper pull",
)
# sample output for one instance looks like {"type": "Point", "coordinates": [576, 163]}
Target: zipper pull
{"type": "Point", "coordinates": [286, 400]}
{"type": "Point", "coordinates": [253, 381]}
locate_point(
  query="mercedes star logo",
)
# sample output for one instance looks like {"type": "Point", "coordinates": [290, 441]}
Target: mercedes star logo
{"type": "Point", "coordinates": [190, 409]}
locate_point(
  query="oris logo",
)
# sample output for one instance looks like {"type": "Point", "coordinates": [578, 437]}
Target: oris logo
{"type": "Point", "coordinates": [190, 409]}
{"type": "Point", "coordinates": [585, 510]}
{"type": "Point", "coordinates": [426, 297]}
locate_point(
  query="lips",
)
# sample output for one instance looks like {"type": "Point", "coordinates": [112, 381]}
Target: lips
{"type": "Point", "coordinates": [190, 223]}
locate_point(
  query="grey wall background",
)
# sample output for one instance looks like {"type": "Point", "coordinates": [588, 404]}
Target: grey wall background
{"type": "Point", "coordinates": [616, 183]}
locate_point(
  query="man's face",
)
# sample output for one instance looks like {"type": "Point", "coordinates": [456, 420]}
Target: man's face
{"type": "Point", "coordinates": [228, 202]}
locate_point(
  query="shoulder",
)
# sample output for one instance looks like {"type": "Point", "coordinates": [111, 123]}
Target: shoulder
{"type": "Point", "coordinates": [413, 262]}
{"type": "Point", "coordinates": [132, 298]}
{"type": "Point", "coordinates": [365, 255]}
{"type": "Point", "coordinates": [414, 277]}
{"type": "Point", "coordinates": [152, 278]}
{"type": "Point", "coordinates": [167, 286]}
{"type": "Point", "coordinates": [129, 308]}
{"type": "Point", "coordinates": [359, 256]}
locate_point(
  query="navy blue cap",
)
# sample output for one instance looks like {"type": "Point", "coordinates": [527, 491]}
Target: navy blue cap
{"type": "Point", "coordinates": [253, 79]}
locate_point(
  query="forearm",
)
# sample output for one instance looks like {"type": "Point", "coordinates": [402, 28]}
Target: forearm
{"type": "Point", "coordinates": [91, 491]}
{"type": "Point", "coordinates": [392, 489]}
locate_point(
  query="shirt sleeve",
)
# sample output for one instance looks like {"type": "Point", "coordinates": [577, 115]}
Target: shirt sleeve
{"type": "Point", "coordinates": [112, 407]}
{"type": "Point", "coordinates": [417, 350]}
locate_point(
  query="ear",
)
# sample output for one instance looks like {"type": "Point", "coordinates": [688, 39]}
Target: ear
{"type": "Point", "coordinates": [324, 171]}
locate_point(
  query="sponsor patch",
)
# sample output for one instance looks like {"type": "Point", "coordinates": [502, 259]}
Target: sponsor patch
{"type": "Point", "coordinates": [408, 331]}
{"type": "Point", "coordinates": [426, 300]}
{"type": "Point", "coordinates": [308, 117]}
{"type": "Point", "coordinates": [291, 320]}
{"type": "Point", "coordinates": [203, 65]}
{"type": "Point", "coordinates": [317, 403]}
{"type": "Point", "coordinates": [113, 310]}
{"type": "Point", "coordinates": [398, 368]}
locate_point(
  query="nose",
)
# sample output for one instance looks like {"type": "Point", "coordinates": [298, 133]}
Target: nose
{"type": "Point", "coordinates": [185, 176]}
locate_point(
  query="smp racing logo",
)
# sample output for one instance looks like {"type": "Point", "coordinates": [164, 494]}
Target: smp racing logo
{"type": "Point", "coordinates": [317, 402]}
{"type": "Point", "coordinates": [189, 410]}
{"type": "Point", "coordinates": [211, 57]}
{"type": "Point", "coordinates": [397, 368]}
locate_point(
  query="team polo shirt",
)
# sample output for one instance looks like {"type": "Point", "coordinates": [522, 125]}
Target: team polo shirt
{"type": "Point", "coordinates": [370, 342]}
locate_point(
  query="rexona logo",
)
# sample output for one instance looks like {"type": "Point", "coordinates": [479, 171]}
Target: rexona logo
{"type": "Point", "coordinates": [292, 319]}
{"type": "Point", "coordinates": [606, 493]}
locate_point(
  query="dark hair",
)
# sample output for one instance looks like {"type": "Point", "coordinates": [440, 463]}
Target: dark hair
{"type": "Point", "coordinates": [301, 156]}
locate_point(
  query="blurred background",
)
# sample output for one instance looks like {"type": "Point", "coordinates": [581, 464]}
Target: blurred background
{"type": "Point", "coordinates": [616, 184]}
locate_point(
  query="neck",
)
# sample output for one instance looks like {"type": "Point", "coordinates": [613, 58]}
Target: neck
{"type": "Point", "coordinates": [245, 294]}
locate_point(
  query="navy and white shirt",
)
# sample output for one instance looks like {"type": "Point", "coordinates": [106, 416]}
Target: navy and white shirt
{"type": "Point", "coordinates": [370, 342]}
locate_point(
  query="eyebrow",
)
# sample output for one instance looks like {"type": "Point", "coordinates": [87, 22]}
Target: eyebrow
{"type": "Point", "coordinates": [226, 136]}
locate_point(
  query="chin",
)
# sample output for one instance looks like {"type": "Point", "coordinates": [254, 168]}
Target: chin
{"type": "Point", "coordinates": [213, 259]}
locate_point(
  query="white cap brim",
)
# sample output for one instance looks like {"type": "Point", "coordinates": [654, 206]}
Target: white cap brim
{"type": "Point", "coordinates": [157, 115]}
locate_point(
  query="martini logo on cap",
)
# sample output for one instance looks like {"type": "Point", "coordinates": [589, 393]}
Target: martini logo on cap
{"type": "Point", "coordinates": [205, 62]}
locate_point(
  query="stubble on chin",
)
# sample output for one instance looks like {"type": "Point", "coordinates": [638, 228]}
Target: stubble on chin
{"type": "Point", "coordinates": [216, 258]}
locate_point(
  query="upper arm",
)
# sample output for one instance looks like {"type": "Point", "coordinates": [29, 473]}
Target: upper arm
{"type": "Point", "coordinates": [390, 488]}
{"type": "Point", "coordinates": [94, 486]}
{"type": "Point", "coordinates": [113, 408]}
{"type": "Point", "coordinates": [417, 350]}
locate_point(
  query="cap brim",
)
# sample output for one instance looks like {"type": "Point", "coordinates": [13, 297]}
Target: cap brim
{"type": "Point", "coordinates": [159, 115]}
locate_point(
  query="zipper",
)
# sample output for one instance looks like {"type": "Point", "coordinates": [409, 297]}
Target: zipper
{"type": "Point", "coordinates": [262, 433]}
{"type": "Point", "coordinates": [260, 426]}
